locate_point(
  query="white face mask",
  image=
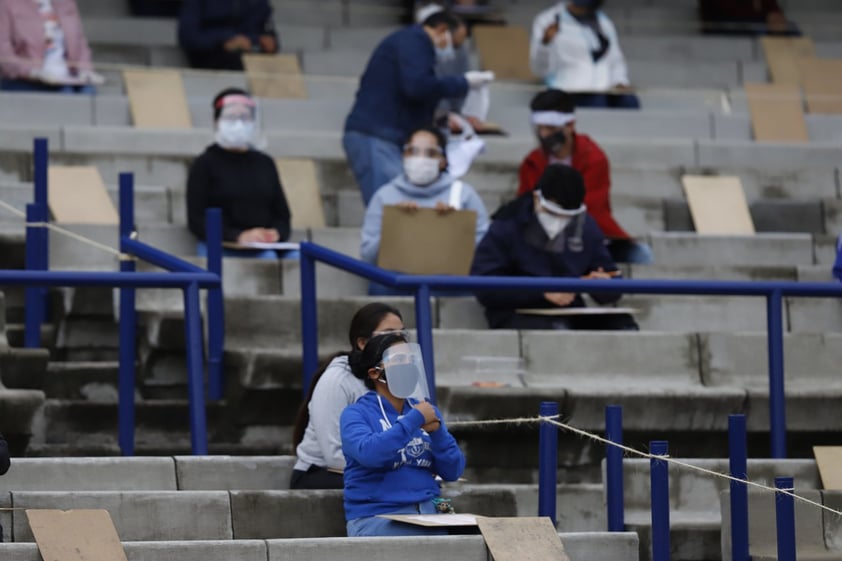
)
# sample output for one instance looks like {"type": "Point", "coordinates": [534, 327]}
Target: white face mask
{"type": "Point", "coordinates": [421, 170]}
{"type": "Point", "coordinates": [552, 224]}
{"type": "Point", "coordinates": [236, 134]}
{"type": "Point", "coordinates": [446, 53]}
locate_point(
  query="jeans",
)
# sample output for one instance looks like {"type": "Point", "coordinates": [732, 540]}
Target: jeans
{"type": "Point", "coordinates": [607, 101]}
{"type": "Point", "coordinates": [374, 161]}
{"type": "Point", "coordinates": [8, 85]}
{"type": "Point", "coordinates": [202, 251]}
{"type": "Point", "coordinates": [376, 526]}
{"type": "Point", "coordinates": [630, 251]}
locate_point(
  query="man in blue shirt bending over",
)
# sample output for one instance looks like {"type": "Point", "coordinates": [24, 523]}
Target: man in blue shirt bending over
{"type": "Point", "coordinates": [398, 94]}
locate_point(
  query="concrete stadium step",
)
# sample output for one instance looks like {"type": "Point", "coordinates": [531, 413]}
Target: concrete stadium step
{"type": "Point", "coordinates": [578, 547]}
{"type": "Point", "coordinates": [811, 366]}
{"type": "Point", "coordinates": [682, 249]}
{"type": "Point", "coordinates": [769, 216]}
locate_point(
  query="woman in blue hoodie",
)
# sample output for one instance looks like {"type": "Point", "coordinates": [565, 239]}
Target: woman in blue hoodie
{"type": "Point", "coordinates": [424, 182]}
{"type": "Point", "coordinates": [394, 447]}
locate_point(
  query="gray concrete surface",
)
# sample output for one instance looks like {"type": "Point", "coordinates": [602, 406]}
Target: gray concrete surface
{"type": "Point", "coordinates": [91, 474]}
{"type": "Point", "coordinates": [241, 550]}
{"type": "Point", "coordinates": [200, 473]}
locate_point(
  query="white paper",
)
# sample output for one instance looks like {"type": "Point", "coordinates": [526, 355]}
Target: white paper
{"type": "Point", "coordinates": [445, 519]}
{"type": "Point", "coordinates": [463, 149]}
{"type": "Point", "coordinates": [262, 245]}
{"type": "Point", "coordinates": [477, 103]}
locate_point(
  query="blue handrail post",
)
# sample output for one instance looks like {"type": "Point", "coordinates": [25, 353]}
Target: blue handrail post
{"type": "Point", "coordinates": [424, 328]}
{"type": "Point", "coordinates": [659, 481]}
{"type": "Point", "coordinates": [548, 462]}
{"type": "Point", "coordinates": [309, 318]}
{"type": "Point", "coordinates": [614, 469]}
{"type": "Point", "coordinates": [128, 323]}
{"type": "Point", "coordinates": [195, 370]}
{"type": "Point", "coordinates": [777, 403]}
{"type": "Point", "coordinates": [40, 169]}
{"type": "Point", "coordinates": [34, 303]}
{"type": "Point", "coordinates": [785, 518]}
{"type": "Point", "coordinates": [215, 305]}
{"type": "Point", "coordinates": [738, 465]}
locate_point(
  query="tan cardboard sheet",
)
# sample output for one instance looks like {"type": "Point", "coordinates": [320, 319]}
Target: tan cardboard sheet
{"type": "Point", "coordinates": [75, 535]}
{"type": "Point", "coordinates": [822, 82]}
{"type": "Point", "coordinates": [427, 243]}
{"type": "Point", "coordinates": [829, 462]}
{"type": "Point", "coordinates": [783, 55]}
{"type": "Point", "coordinates": [275, 76]}
{"type": "Point", "coordinates": [718, 205]}
{"type": "Point", "coordinates": [301, 188]}
{"type": "Point", "coordinates": [504, 50]}
{"type": "Point", "coordinates": [522, 539]}
{"type": "Point", "coordinates": [77, 195]}
{"type": "Point", "coordinates": [777, 113]}
{"type": "Point", "coordinates": [157, 99]}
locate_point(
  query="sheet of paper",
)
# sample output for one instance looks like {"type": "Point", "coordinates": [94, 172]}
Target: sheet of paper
{"type": "Point", "coordinates": [262, 245]}
{"type": "Point", "coordinates": [431, 520]}
{"type": "Point", "coordinates": [157, 99]}
{"type": "Point", "coordinates": [718, 205]}
{"type": "Point", "coordinates": [426, 242]}
{"type": "Point", "coordinates": [77, 195]}
{"type": "Point", "coordinates": [576, 311]}
{"type": "Point", "coordinates": [777, 113]}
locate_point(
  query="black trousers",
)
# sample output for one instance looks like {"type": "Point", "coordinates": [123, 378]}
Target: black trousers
{"type": "Point", "coordinates": [610, 322]}
{"type": "Point", "coordinates": [315, 478]}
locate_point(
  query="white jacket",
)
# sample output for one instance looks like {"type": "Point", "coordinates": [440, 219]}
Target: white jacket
{"type": "Point", "coordinates": [566, 63]}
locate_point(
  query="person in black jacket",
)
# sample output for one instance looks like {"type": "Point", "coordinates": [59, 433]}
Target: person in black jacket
{"type": "Point", "coordinates": [4, 467]}
{"type": "Point", "coordinates": [215, 33]}
{"type": "Point", "coordinates": [546, 233]}
{"type": "Point", "coordinates": [237, 178]}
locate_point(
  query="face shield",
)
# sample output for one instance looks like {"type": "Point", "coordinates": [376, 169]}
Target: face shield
{"type": "Point", "coordinates": [403, 369]}
{"type": "Point", "coordinates": [237, 125]}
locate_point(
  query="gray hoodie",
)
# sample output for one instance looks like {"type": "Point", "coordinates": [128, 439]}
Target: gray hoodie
{"type": "Point", "coordinates": [400, 190]}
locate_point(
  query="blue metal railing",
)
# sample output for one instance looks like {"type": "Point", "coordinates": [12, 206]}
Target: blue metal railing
{"type": "Point", "coordinates": [421, 286]}
{"type": "Point", "coordinates": [182, 275]}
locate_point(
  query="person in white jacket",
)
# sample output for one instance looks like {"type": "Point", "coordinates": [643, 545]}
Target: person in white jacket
{"type": "Point", "coordinates": [575, 48]}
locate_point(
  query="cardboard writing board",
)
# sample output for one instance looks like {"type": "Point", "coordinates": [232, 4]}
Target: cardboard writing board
{"type": "Point", "coordinates": [434, 520]}
{"type": "Point", "coordinates": [783, 55]}
{"type": "Point", "coordinates": [275, 76]}
{"type": "Point", "coordinates": [576, 311]}
{"type": "Point", "coordinates": [427, 243]}
{"type": "Point", "coordinates": [522, 539]}
{"type": "Point", "coordinates": [75, 535]}
{"type": "Point", "coordinates": [829, 461]}
{"type": "Point", "coordinates": [822, 81]}
{"type": "Point", "coordinates": [157, 99]}
{"type": "Point", "coordinates": [718, 205]}
{"type": "Point", "coordinates": [504, 49]}
{"type": "Point", "coordinates": [77, 195]}
{"type": "Point", "coordinates": [777, 114]}
{"type": "Point", "coordinates": [301, 188]}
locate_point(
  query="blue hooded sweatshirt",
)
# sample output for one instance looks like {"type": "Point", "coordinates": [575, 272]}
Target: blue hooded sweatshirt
{"type": "Point", "coordinates": [400, 190]}
{"type": "Point", "coordinates": [390, 461]}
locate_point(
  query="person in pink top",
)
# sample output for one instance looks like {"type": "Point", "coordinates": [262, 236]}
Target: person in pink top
{"type": "Point", "coordinates": [43, 48]}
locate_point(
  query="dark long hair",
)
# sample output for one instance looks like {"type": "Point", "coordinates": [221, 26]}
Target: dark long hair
{"type": "Point", "coordinates": [363, 324]}
{"type": "Point", "coordinates": [372, 355]}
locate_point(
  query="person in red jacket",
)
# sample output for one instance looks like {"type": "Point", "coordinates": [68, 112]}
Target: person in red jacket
{"type": "Point", "coordinates": [555, 125]}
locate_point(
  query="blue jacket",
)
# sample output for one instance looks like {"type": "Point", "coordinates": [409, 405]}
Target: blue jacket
{"type": "Point", "coordinates": [399, 90]}
{"type": "Point", "coordinates": [390, 468]}
{"type": "Point", "coordinates": [517, 246]}
{"type": "Point", "coordinates": [837, 265]}
{"type": "Point", "coordinates": [399, 190]}
{"type": "Point", "coordinates": [204, 25]}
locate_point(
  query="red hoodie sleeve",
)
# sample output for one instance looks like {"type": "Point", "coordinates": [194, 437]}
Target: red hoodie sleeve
{"type": "Point", "coordinates": [531, 168]}
{"type": "Point", "coordinates": [592, 163]}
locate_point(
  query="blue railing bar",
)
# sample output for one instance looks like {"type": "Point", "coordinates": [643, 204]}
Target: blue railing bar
{"type": "Point", "coordinates": [659, 481]}
{"type": "Point", "coordinates": [777, 402]}
{"type": "Point", "coordinates": [40, 163]}
{"type": "Point", "coordinates": [548, 462]}
{"type": "Point", "coordinates": [738, 467]}
{"type": "Point", "coordinates": [614, 469]}
{"type": "Point", "coordinates": [127, 326]}
{"type": "Point", "coordinates": [160, 258]}
{"type": "Point", "coordinates": [424, 329]}
{"type": "Point", "coordinates": [195, 370]}
{"type": "Point", "coordinates": [785, 519]}
{"type": "Point", "coordinates": [636, 286]}
{"type": "Point", "coordinates": [309, 321]}
{"type": "Point", "coordinates": [33, 301]}
{"type": "Point", "coordinates": [40, 180]}
{"type": "Point", "coordinates": [15, 277]}
{"type": "Point", "coordinates": [215, 305]}
{"type": "Point", "coordinates": [350, 264]}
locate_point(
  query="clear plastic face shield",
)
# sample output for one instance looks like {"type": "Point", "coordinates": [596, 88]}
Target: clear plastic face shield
{"type": "Point", "coordinates": [237, 125]}
{"type": "Point", "coordinates": [403, 369]}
